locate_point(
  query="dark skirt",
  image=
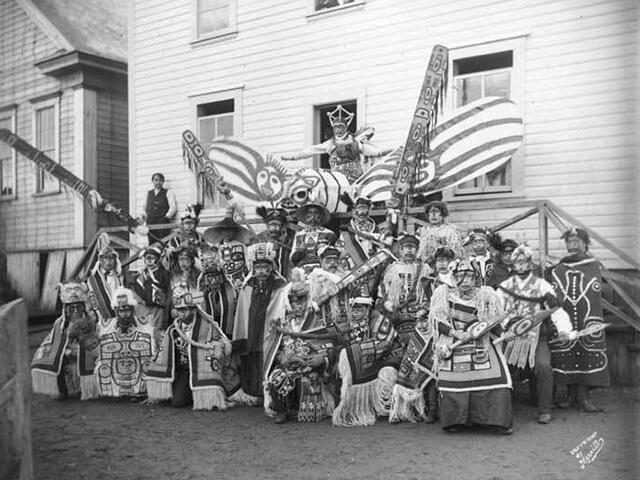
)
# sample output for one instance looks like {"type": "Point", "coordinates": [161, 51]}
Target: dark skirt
{"type": "Point", "coordinates": [252, 374]}
{"type": "Point", "coordinates": [481, 407]}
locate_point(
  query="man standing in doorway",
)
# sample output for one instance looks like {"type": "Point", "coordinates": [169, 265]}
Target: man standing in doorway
{"type": "Point", "coordinates": [159, 206]}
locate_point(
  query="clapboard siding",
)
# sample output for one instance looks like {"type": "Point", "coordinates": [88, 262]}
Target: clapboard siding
{"type": "Point", "coordinates": [580, 92]}
{"type": "Point", "coordinates": [30, 222]}
{"type": "Point", "coordinates": [113, 173]}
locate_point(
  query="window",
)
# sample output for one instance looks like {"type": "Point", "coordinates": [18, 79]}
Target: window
{"type": "Point", "coordinates": [490, 69]}
{"type": "Point", "coordinates": [323, 130]}
{"type": "Point", "coordinates": [46, 131]}
{"type": "Point", "coordinates": [7, 159]}
{"type": "Point", "coordinates": [325, 4]}
{"type": "Point", "coordinates": [321, 8]}
{"type": "Point", "coordinates": [215, 18]}
{"type": "Point", "coordinates": [215, 115]}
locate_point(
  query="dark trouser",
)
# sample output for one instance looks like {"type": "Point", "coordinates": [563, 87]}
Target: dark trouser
{"type": "Point", "coordinates": [544, 376]}
{"type": "Point", "coordinates": [431, 397]}
{"type": "Point", "coordinates": [160, 234]}
{"type": "Point", "coordinates": [180, 389]}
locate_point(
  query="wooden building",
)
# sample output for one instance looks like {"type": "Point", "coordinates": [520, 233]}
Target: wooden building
{"type": "Point", "coordinates": [267, 71]}
{"type": "Point", "coordinates": [63, 88]}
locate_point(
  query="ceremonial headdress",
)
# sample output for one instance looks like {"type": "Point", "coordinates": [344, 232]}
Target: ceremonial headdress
{"type": "Point", "coordinates": [107, 251]}
{"type": "Point", "coordinates": [439, 205]}
{"type": "Point", "coordinates": [490, 237]}
{"type": "Point", "coordinates": [577, 232]}
{"type": "Point", "coordinates": [522, 251]}
{"type": "Point", "coordinates": [192, 212]}
{"type": "Point", "coordinates": [73, 292]}
{"type": "Point", "coordinates": [461, 265]}
{"type": "Point", "coordinates": [405, 238]}
{"type": "Point", "coordinates": [215, 235]}
{"type": "Point", "coordinates": [182, 297]}
{"type": "Point", "coordinates": [123, 297]}
{"type": "Point", "coordinates": [340, 115]}
{"type": "Point", "coordinates": [269, 214]}
{"type": "Point", "coordinates": [260, 253]}
{"type": "Point", "coordinates": [210, 262]}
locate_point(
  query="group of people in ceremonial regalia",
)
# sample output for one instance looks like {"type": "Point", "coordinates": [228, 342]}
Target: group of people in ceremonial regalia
{"type": "Point", "coordinates": [353, 325]}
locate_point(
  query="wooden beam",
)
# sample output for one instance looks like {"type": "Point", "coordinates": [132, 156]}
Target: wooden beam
{"type": "Point", "coordinates": [605, 243]}
{"type": "Point", "coordinates": [620, 291]}
{"type": "Point", "coordinates": [621, 277]}
{"type": "Point", "coordinates": [543, 235]}
{"type": "Point", "coordinates": [516, 219]}
{"type": "Point", "coordinates": [124, 243]}
{"type": "Point", "coordinates": [553, 218]}
{"type": "Point", "coordinates": [620, 314]}
{"type": "Point", "coordinates": [90, 248]}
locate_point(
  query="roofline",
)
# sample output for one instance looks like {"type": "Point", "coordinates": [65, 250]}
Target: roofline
{"type": "Point", "coordinates": [45, 25]}
{"type": "Point", "coordinates": [61, 63]}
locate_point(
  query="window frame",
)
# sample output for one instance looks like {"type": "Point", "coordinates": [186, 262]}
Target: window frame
{"type": "Point", "coordinates": [228, 32]}
{"type": "Point", "coordinates": [313, 14]}
{"type": "Point", "coordinates": [11, 114]}
{"type": "Point", "coordinates": [325, 97]}
{"type": "Point", "coordinates": [517, 45]}
{"type": "Point", "coordinates": [37, 106]}
{"type": "Point", "coordinates": [195, 100]}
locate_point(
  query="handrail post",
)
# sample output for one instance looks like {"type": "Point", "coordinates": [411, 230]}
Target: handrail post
{"type": "Point", "coordinates": [543, 234]}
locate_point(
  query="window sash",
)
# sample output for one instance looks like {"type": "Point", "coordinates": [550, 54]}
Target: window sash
{"type": "Point", "coordinates": [220, 124]}
{"type": "Point", "coordinates": [7, 162]}
{"type": "Point", "coordinates": [214, 17]}
{"type": "Point", "coordinates": [46, 128]}
{"type": "Point", "coordinates": [482, 184]}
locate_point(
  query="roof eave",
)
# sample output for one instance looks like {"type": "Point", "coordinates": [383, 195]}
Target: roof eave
{"type": "Point", "coordinates": [67, 62]}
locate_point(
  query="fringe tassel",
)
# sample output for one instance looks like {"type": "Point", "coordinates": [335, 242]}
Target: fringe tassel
{"type": "Point", "coordinates": [89, 388]}
{"type": "Point", "coordinates": [157, 390]}
{"type": "Point", "coordinates": [407, 405]}
{"type": "Point", "coordinates": [329, 401]}
{"type": "Point", "coordinates": [209, 398]}
{"type": "Point", "coordinates": [243, 398]}
{"type": "Point", "coordinates": [357, 407]}
{"type": "Point", "coordinates": [45, 383]}
{"type": "Point", "coordinates": [385, 382]}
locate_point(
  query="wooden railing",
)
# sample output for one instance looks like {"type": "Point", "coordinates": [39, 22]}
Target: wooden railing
{"type": "Point", "coordinates": [546, 211]}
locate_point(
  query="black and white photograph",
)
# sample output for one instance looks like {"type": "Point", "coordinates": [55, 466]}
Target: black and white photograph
{"type": "Point", "coordinates": [319, 239]}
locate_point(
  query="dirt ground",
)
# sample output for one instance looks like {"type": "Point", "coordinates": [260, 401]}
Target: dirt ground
{"type": "Point", "coordinates": [123, 440]}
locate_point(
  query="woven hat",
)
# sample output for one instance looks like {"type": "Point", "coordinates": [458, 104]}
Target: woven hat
{"type": "Point", "coordinates": [328, 251]}
{"type": "Point", "coordinates": [215, 234]}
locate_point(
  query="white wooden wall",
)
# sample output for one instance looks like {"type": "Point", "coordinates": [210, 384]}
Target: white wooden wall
{"type": "Point", "coordinates": [581, 88]}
